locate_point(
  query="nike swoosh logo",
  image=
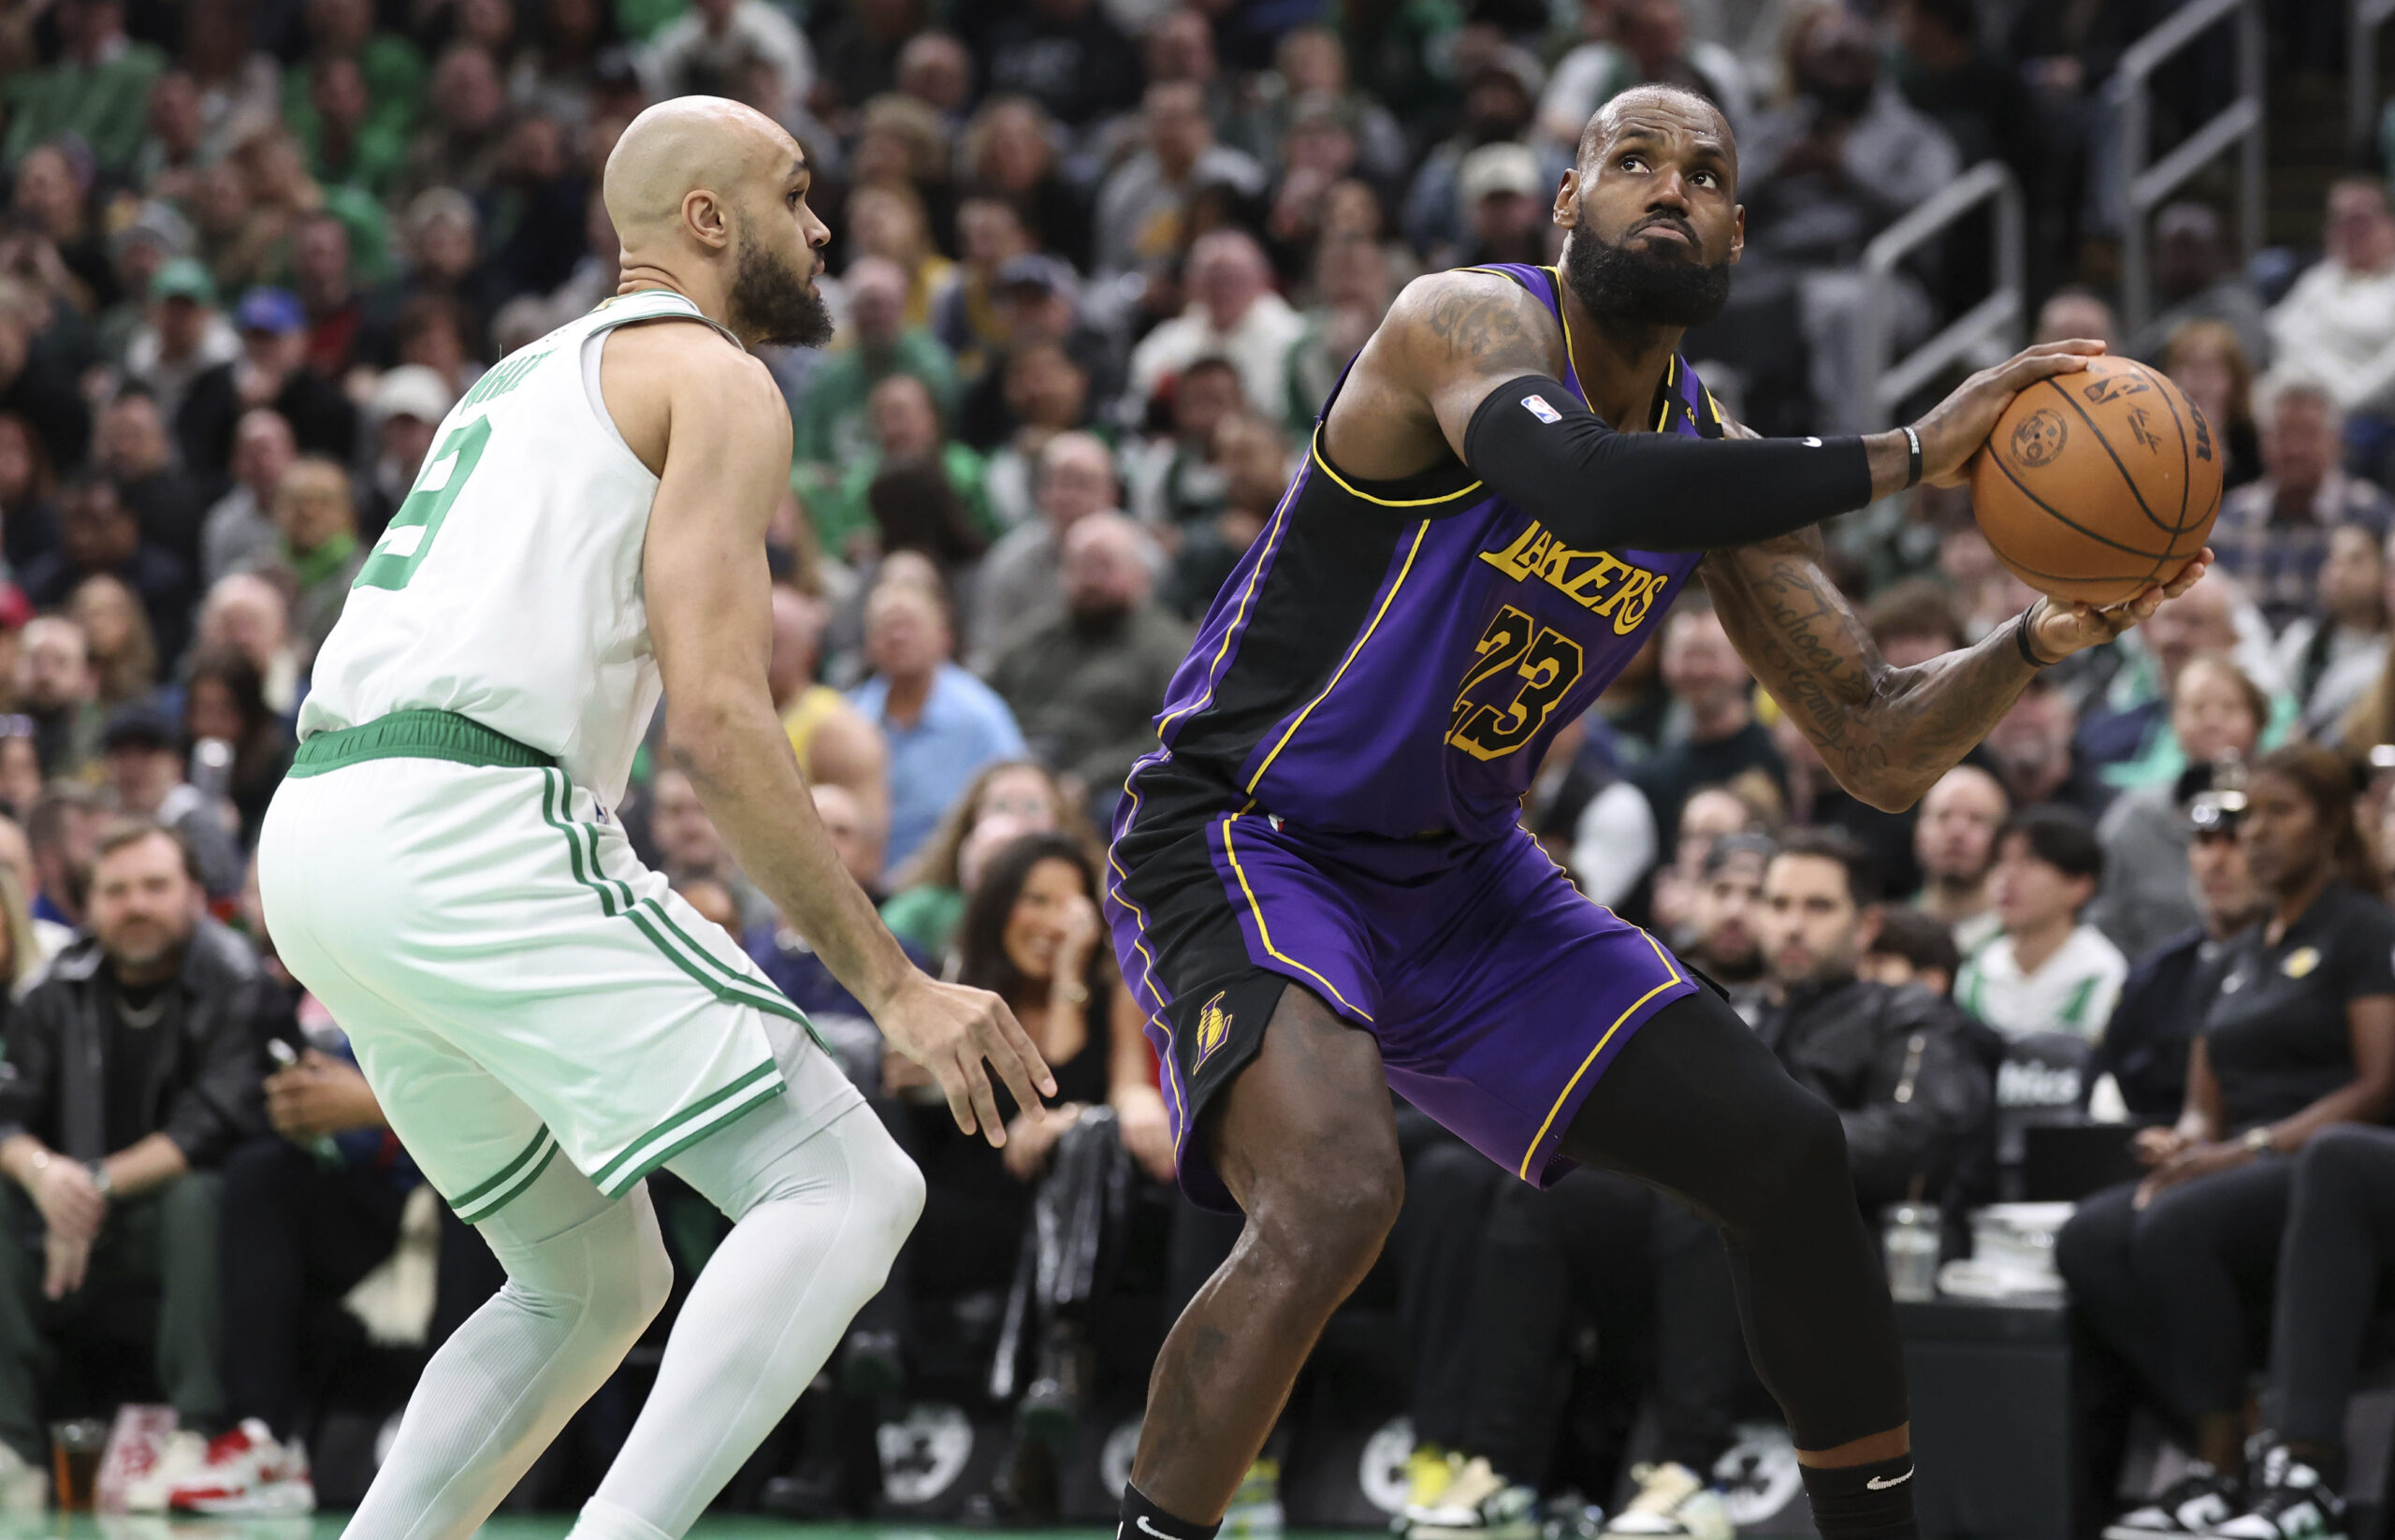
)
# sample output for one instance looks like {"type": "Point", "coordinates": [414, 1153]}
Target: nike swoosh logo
{"type": "Point", "coordinates": [1148, 1528]}
{"type": "Point", "coordinates": [1876, 1484]}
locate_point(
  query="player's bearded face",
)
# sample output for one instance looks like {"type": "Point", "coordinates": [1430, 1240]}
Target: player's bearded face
{"type": "Point", "coordinates": [1648, 282]}
{"type": "Point", "coordinates": [772, 300]}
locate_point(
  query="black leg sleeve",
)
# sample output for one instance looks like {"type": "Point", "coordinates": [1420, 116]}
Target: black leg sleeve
{"type": "Point", "coordinates": [1696, 1105]}
{"type": "Point", "coordinates": [2340, 1224]}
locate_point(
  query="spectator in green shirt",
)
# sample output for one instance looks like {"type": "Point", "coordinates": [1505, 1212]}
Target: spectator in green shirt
{"type": "Point", "coordinates": [905, 422]}
{"type": "Point", "coordinates": [831, 424]}
{"type": "Point", "coordinates": [99, 88]}
{"type": "Point", "coordinates": [348, 145]}
{"type": "Point", "coordinates": [389, 67]}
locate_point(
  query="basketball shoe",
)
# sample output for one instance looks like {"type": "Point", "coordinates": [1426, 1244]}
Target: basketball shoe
{"type": "Point", "coordinates": [1672, 1501]}
{"type": "Point", "coordinates": [247, 1471]}
{"type": "Point", "coordinates": [2291, 1501]}
{"type": "Point", "coordinates": [1476, 1504]}
{"type": "Point", "coordinates": [2190, 1506]}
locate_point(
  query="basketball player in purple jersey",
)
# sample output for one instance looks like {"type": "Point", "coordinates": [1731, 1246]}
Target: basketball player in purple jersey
{"type": "Point", "coordinates": [1319, 887]}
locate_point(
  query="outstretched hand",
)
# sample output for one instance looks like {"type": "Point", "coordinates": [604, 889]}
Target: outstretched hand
{"type": "Point", "coordinates": [2059, 627]}
{"type": "Point", "coordinates": [1959, 424]}
{"type": "Point", "coordinates": [959, 1035]}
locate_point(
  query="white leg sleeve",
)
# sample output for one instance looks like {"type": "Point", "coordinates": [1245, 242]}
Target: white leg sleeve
{"type": "Point", "coordinates": [585, 1277]}
{"type": "Point", "coordinates": [817, 1221]}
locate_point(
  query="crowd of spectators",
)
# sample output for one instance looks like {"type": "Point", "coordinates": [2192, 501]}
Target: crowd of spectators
{"type": "Point", "coordinates": [1095, 265]}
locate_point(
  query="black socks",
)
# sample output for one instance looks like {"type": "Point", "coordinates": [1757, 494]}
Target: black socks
{"type": "Point", "coordinates": [1143, 1520]}
{"type": "Point", "coordinates": [1859, 1502]}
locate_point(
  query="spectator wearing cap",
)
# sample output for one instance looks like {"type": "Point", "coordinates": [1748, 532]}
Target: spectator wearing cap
{"type": "Point", "coordinates": [239, 531]}
{"type": "Point", "coordinates": [461, 146]}
{"type": "Point", "coordinates": [1085, 686]}
{"type": "Point", "coordinates": [1175, 479]}
{"type": "Point", "coordinates": [98, 533]}
{"type": "Point", "coordinates": [942, 724]}
{"type": "Point", "coordinates": [1142, 202]}
{"type": "Point", "coordinates": [56, 686]}
{"type": "Point", "coordinates": [1232, 312]}
{"type": "Point", "coordinates": [141, 762]}
{"type": "Point", "coordinates": [1037, 303]}
{"type": "Point", "coordinates": [1635, 42]}
{"type": "Point", "coordinates": [1498, 96]}
{"type": "Point", "coordinates": [272, 371]}
{"type": "Point", "coordinates": [317, 520]}
{"type": "Point", "coordinates": [2273, 534]}
{"type": "Point", "coordinates": [390, 74]}
{"type": "Point", "coordinates": [152, 234]}
{"type": "Point", "coordinates": [2195, 278]}
{"type": "Point", "coordinates": [2047, 970]}
{"type": "Point", "coordinates": [700, 52]}
{"type": "Point", "coordinates": [406, 410]}
{"type": "Point", "coordinates": [1501, 191]}
{"type": "Point", "coordinates": [183, 335]}
{"type": "Point", "coordinates": [97, 88]}
{"type": "Point", "coordinates": [132, 448]}
{"type": "Point", "coordinates": [832, 426]}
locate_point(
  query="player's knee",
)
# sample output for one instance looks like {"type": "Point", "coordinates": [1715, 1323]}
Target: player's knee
{"type": "Point", "coordinates": [1802, 1166]}
{"type": "Point", "coordinates": [629, 1273]}
{"type": "Point", "coordinates": [888, 1189]}
{"type": "Point", "coordinates": [1327, 1227]}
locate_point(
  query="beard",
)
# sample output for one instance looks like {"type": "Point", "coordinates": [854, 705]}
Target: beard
{"type": "Point", "coordinates": [772, 303]}
{"type": "Point", "coordinates": [1619, 282]}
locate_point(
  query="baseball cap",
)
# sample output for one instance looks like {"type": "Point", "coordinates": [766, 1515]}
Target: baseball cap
{"type": "Point", "coordinates": [1501, 168]}
{"type": "Point", "coordinates": [138, 727]}
{"type": "Point", "coordinates": [183, 278]}
{"type": "Point", "coordinates": [270, 310]}
{"type": "Point", "coordinates": [411, 390]}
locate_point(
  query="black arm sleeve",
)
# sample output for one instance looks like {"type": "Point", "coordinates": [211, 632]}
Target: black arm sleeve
{"type": "Point", "coordinates": [1654, 491]}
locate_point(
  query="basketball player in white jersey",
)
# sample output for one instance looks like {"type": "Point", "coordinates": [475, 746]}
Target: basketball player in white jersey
{"type": "Point", "coordinates": [543, 1022]}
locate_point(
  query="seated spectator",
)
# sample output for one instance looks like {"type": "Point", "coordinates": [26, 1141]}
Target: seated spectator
{"type": "Point", "coordinates": [1143, 205]}
{"type": "Point", "coordinates": [1725, 920]}
{"type": "Point", "coordinates": [390, 70]}
{"type": "Point", "coordinates": [247, 614]}
{"type": "Point", "coordinates": [2169, 989]}
{"type": "Point", "coordinates": [2331, 655]}
{"type": "Point", "coordinates": [1232, 312]}
{"type": "Point", "coordinates": [1308, 62]}
{"type": "Point", "coordinates": [1712, 814]}
{"type": "Point", "coordinates": [2205, 359]}
{"type": "Point", "coordinates": [1011, 147]}
{"type": "Point", "coordinates": [904, 423]}
{"type": "Point", "coordinates": [224, 700]}
{"type": "Point", "coordinates": [2218, 715]}
{"type": "Point", "coordinates": [2299, 1038]}
{"type": "Point", "coordinates": [1911, 948]}
{"type": "Point", "coordinates": [1252, 457]}
{"type": "Point", "coordinates": [941, 723]}
{"type": "Point", "coordinates": [310, 1209]}
{"type": "Point", "coordinates": [460, 143]}
{"type": "Point", "coordinates": [62, 830]}
{"type": "Point", "coordinates": [1718, 737]}
{"type": "Point", "coordinates": [124, 659]}
{"type": "Point", "coordinates": [1086, 688]}
{"type": "Point", "coordinates": [798, 972]}
{"type": "Point", "coordinates": [1587, 817]}
{"type": "Point", "coordinates": [1018, 589]}
{"type": "Point", "coordinates": [239, 531]}
{"type": "Point", "coordinates": [1499, 94]}
{"type": "Point", "coordinates": [2127, 740]}
{"type": "Point", "coordinates": [317, 526]}
{"type": "Point", "coordinates": [966, 314]}
{"type": "Point", "coordinates": [1047, 392]}
{"type": "Point", "coordinates": [32, 941]}
{"type": "Point", "coordinates": [1037, 304]}
{"type": "Point", "coordinates": [1955, 843]}
{"type": "Point", "coordinates": [932, 888]}
{"type": "Point", "coordinates": [1173, 478]}
{"type": "Point", "coordinates": [688, 848]}
{"type": "Point", "coordinates": [28, 515]}
{"type": "Point", "coordinates": [887, 220]}
{"type": "Point", "coordinates": [132, 1073]}
{"type": "Point", "coordinates": [699, 52]}
{"type": "Point", "coordinates": [1354, 281]}
{"type": "Point", "coordinates": [98, 536]}
{"type": "Point", "coordinates": [2045, 971]}
{"type": "Point", "coordinates": [130, 444]}
{"type": "Point", "coordinates": [2196, 281]}
{"type": "Point", "coordinates": [183, 337]}
{"type": "Point", "coordinates": [97, 88]}
{"type": "Point", "coordinates": [406, 410]}
{"type": "Point", "coordinates": [141, 757]}
{"type": "Point", "coordinates": [2337, 324]}
{"type": "Point", "coordinates": [1502, 208]}
{"type": "Point", "coordinates": [833, 423]}
{"type": "Point", "coordinates": [271, 372]}
{"type": "Point", "coordinates": [1644, 42]}
{"type": "Point", "coordinates": [57, 687]}
{"type": "Point", "coordinates": [2272, 534]}
{"type": "Point", "coordinates": [835, 745]}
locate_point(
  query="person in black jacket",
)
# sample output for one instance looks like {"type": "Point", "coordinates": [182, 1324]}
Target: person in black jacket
{"type": "Point", "coordinates": [1897, 1064]}
{"type": "Point", "coordinates": [132, 1068]}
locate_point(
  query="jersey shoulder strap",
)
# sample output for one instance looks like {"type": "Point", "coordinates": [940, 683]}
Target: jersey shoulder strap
{"type": "Point", "coordinates": [624, 310]}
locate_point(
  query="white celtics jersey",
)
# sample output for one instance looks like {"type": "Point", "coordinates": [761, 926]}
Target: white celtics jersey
{"type": "Point", "coordinates": [508, 586]}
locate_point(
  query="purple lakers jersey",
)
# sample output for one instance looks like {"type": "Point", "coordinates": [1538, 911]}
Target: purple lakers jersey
{"type": "Point", "coordinates": [1393, 658]}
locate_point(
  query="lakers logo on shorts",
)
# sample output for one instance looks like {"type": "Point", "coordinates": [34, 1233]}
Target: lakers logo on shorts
{"type": "Point", "coordinates": [2039, 438]}
{"type": "Point", "coordinates": [1214, 1027]}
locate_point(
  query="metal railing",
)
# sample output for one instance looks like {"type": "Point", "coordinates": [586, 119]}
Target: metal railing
{"type": "Point", "coordinates": [1992, 326]}
{"type": "Point", "coordinates": [2239, 124]}
{"type": "Point", "coordinates": [2361, 71]}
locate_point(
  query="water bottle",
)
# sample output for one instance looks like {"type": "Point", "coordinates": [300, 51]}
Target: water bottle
{"type": "Point", "coordinates": [1913, 1252]}
{"type": "Point", "coordinates": [212, 766]}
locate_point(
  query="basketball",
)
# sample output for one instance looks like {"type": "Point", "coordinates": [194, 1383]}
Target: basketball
{"type": "Point", "coordinates": [2095, 486]}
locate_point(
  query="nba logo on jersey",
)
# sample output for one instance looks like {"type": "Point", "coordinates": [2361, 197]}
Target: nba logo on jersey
{"type": "Point", "coordinates": [1540, 410]}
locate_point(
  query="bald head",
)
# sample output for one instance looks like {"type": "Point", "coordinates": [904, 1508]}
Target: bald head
{"type": "Point", "coordinates": [708, 197]}
{"type": "Point", "coordinates": [1674, 104]}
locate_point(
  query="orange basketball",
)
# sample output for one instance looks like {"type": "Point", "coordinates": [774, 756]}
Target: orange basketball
{"type": "Point", "coordinates": [2095, 486]}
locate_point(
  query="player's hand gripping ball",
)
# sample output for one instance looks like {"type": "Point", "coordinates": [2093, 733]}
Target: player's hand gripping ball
{"type": "Point", "coordinates": [2099, 484]}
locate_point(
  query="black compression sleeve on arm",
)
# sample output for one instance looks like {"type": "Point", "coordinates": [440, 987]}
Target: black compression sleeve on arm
{"type": "Point", "coordinates": [1654, 491]}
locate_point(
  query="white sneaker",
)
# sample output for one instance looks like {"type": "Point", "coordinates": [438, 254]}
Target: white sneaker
{"type": "Point", "coordinates": [148, 1490]}
{"type": "Point", "coordinates": [247, 1471]}
{"type": "Point", "coordinates": [1477, 1504]}
{"type": "Point", "coordinates": [1672, 1501]}
{"type": "Point", "coordinates": [2291, 1503]}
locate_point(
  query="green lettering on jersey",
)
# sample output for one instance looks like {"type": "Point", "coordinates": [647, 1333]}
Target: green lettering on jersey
{"type": "Point", "coordinates": [405, 543]}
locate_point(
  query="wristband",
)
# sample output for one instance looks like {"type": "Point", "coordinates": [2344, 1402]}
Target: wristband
{"type": "Point", "coordinates": [2021, 636]}
{"type": "Point", "coordinates": [1912, 458]}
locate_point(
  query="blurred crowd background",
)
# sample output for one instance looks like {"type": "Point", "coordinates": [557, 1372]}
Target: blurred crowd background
{"type": "Point", "coordinates": [1096, 264]}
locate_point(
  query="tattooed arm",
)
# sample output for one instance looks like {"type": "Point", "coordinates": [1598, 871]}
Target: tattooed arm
{"type": "Point", "coordinates": [1888, 732]}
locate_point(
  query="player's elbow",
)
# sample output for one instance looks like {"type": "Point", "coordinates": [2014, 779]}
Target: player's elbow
{"type": "Point", "coordinates": [1890, 789]}
{"type": "Point", "coordinates": [706, 727]}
